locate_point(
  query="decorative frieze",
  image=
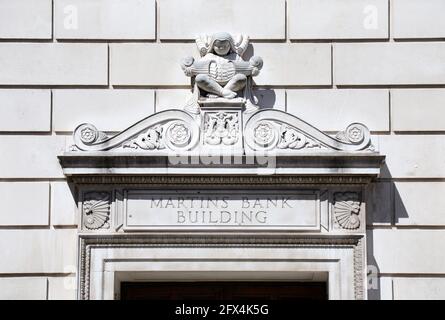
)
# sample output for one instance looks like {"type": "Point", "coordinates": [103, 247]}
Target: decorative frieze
{"type": "Point", "coordinates": [211, 203]}
{"type": "Point", "coordinates": [222, 180]}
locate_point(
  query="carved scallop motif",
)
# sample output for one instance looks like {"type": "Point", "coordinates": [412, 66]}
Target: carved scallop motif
{"type": "Point", "coordinates": [347, 210]}
{"type": "Point", "coordinates": [96, 210]}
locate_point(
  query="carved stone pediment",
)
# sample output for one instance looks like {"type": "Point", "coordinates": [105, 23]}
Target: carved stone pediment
{"type": "Point", "coordinates": [176, 130]}
{"type": "Point", "coordinates": [213, 124]}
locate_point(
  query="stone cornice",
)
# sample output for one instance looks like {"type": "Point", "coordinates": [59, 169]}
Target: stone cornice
{"type": "Point", "coordinates": [131, 164]}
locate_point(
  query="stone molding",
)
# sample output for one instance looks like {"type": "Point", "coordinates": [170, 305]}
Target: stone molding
{"type": "Point", "coordinates": [221, 180]}
{"type": "Point", "coordinates": [193, 240]}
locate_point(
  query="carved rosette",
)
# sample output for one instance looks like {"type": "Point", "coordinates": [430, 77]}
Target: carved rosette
{"type": "Point", "coordinates": [178, 135]}
{"type": "Point", "coordinates": [355, 134]}
{"type": "Point", "coordinates": [89, 134]}
{"type": "Point", "coordinates": [265, 134]}
{"type": "Point", "coordinates": [347, 209]}
{"type": "Point", "coordinates": [96, 210]}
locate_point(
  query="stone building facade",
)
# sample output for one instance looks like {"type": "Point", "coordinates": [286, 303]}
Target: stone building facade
{"type": "Point", "coordinates": [328, 62]}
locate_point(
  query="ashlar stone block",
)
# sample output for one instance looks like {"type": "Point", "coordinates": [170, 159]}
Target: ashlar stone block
{"type": "Point", "coordinates": [338, 19]}
{"type": "Point", "coordinates": [334, 110]}
{"type": "Point", "coordinates": [105, 19]}
{"type": "Point", "coordinates": [17, 212]}
{"type": "Point", "coordinates": [418, 109]}
{"type": "Point", "coordinates": [184, 20]}
{"type": "Point", "coordinates": [38, 251]}
{"type": "Point", "coordinates": [25, 19]}
{"type": "Point", "coordinates": [104, 108]}
{"type": "Point", "coordinates": [53, 63]}
{"type": "Point", "coordinates": [25, 110]}
{"type": "Point", "coordinates": [418, 19]}
{"type": "Point", "coordinates": [407, 63]}
{"type": "Point", "coordinates": [23, 288]}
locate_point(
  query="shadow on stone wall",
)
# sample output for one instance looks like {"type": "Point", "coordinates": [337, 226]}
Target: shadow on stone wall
{"type": "Point", "coordinates": [382, 200]}
{"type": "Point", "coordinates": [266, 98]}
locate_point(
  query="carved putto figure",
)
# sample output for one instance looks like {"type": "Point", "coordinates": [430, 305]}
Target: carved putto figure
{"type": "Point", "coordinates": [221, 70]}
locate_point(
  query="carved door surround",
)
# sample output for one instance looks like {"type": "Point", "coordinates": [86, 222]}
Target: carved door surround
{"type": "Point", "coordinates": [112, 249]}
{"type": "Point", "coordinates": [305, 203]}
{"type": "Point", "coordinates": [221, 190]}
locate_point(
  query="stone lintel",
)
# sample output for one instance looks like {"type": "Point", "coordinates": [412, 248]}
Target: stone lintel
{"type": "Point", "coordinates": [329, 164]}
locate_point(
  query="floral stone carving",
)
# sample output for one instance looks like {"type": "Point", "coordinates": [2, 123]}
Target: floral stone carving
{"type": "Point", "coordinates": [355, 133]}
{"type": "Point", "coordinates": [264, 134]}
{"type": "Point", "coordinates": [96, 210]}
{"type": "Point", "coordinates": [178, 134]}
{"type": "Point", "coordinates": [174, 130]}
{"type": "Point", "coordinates": [293, 139]}
{"type": "Point", "coordinates": [149, 140]}
{"type": "Point", "coordinates": [347, 210]}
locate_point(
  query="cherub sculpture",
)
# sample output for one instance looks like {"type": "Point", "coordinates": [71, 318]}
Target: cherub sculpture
{"type": "Point", "coordinates": [221, 71]}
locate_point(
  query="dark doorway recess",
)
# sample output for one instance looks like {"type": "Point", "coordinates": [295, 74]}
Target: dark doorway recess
{"type": "Point", "coordinates": [223, 290]}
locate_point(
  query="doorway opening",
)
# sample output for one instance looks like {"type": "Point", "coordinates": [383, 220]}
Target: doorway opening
{"type": "Point", "coordinates": [224, 290]}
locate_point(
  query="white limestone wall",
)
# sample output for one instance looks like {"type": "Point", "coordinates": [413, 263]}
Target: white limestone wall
{"type": "Point", "coordinates": [112, 62]}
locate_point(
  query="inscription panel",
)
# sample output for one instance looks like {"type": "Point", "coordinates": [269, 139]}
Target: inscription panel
{"type": "Point", "coordinates": [230, 209]}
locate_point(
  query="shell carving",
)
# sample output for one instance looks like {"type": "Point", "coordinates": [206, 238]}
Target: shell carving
{"type": "Point", "coordinates": [347, 210]}
{"type": "Point", "coordinates": [96, 210]}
